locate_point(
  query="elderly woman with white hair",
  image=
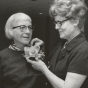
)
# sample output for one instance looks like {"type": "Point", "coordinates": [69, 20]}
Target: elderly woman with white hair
{"type": "Point", "coordinates": [68, 65]}
{"type": "Point", "coordinates": [15, 71]}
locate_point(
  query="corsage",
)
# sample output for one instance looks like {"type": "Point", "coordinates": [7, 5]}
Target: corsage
{"type": "Point", "coordinates": [33, 53]}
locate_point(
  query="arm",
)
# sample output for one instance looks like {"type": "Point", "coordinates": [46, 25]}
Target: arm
{"type": "Point", "coordinates": [72, 80]}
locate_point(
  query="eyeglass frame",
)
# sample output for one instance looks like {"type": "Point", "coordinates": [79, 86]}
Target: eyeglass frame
{"type": "Point", "coordinates": [60, 23]}
{"type": "Point", "coordinates": [31, 28]}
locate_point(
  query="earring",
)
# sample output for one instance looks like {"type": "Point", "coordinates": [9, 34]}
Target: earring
{"type": "Point", "coordinates": [75, 24]}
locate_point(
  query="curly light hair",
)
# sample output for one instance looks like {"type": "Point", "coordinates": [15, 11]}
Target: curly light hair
{"type": "Point", "coordinates": [74, 9]}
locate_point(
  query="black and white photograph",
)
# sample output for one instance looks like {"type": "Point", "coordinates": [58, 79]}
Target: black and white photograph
{"type": "Point", "coordinates": [43, 43]}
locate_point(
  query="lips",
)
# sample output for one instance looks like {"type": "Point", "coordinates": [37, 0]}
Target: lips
{"type": "Point", "coordinates": [26, 36]}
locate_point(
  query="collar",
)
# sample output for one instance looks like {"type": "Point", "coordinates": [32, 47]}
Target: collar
{"type": "Point", "coordinates": [14, 47]}
{"type": "Point", "coordinates": [75, 41]}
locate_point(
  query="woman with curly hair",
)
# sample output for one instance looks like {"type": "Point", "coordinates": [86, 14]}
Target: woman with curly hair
{"type": "Point", "coordinates": [68, 65]}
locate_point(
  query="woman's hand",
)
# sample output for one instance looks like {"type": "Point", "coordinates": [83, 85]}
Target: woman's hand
{"type": "Point", "coordinates": [38, 65]}
{"type": "Point", "coordinates": [36, 42]}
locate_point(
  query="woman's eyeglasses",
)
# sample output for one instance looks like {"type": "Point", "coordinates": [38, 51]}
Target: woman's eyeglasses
{"type": "Point", "coordinates": [23, 28]}
{"type": "Point", "coordinates": [60, 23]}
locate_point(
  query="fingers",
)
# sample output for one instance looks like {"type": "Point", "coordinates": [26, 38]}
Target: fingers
{"type": "Point", "coordinates": [36, 59]}
{"type": "Point", "coordinates": [29, 61]}
{"type": "Point", "coordinates": [36, 41]}
{"type": "Point", "coordinates": [32, 41]}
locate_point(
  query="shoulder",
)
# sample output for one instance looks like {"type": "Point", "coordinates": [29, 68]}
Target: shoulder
{"type": "Point", "coordinates": [82, 47]}
{"type": "Point", "coordinates": [4, 51]}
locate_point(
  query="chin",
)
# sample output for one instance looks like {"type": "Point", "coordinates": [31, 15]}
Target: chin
{"type": "Point", "coordinates": [26, 42]}
{"type": "Point", "coordinates": [62, 37]}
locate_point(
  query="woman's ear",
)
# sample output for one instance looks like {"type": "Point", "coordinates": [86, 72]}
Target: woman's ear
{"type": "Point", "coordinates": [75, 24]}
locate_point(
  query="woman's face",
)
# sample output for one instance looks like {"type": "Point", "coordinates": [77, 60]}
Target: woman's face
{"type": "Point", "coordinates": [22, 32]}
{"type": "Point", "coordinates": [65, 27]}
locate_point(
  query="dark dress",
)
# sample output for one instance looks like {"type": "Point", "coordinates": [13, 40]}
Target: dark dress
{"type": "Point", "coordinates": [74, 58]}
{"type": "Point", "coordinates": [15, 72]}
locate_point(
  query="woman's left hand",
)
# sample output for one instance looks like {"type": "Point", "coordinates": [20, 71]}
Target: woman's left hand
{"type": "Point", "coordinates": [36, 42]}
{"type": "Point", "coordinates": [38, 65]}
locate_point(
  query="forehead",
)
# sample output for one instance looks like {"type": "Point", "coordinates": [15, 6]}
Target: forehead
{"type": "Point", "coordinates": [59, 18]}
{"type": "Point", "coordinates": [22, 19]}
{"type": "Point", "coordinates": [22, 22]}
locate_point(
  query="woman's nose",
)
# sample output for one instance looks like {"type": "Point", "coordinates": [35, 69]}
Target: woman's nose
{"type": "Point", "coordinates": [27, 30]}
{"type": "Point", "coordinates": [57, 27]}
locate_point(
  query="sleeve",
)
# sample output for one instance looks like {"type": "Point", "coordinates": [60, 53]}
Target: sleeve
{"type": "Point", "coordinates": [79, 61]}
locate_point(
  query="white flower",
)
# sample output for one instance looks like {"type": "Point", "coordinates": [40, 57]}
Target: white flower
{"type": "Point", "coordinates": [33, 51]}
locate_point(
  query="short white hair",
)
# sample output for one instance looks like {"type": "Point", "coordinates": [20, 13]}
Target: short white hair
{"type": "Point", "coordinates": [13, 18]}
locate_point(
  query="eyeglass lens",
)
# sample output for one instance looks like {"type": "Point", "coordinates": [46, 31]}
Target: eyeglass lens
{"type": "Point", "coordinates": [23, 27]}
